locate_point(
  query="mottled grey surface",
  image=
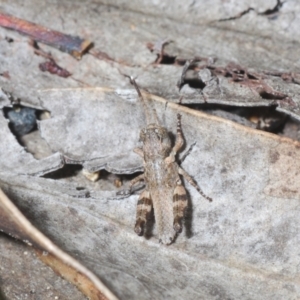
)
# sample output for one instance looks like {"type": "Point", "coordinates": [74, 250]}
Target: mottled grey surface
{"type": "Point", "coordinates": [243, 245]}
{"type": "Point", "coordinates": [264, 38]}
{"type": "Point", "coordinates": [95, 127]}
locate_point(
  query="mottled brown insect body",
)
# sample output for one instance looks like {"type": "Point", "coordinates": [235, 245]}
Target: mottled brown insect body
{"type": "Point", "coordinates": [164, 190]}
{"type": "Point", "coordinates": [160, 178]}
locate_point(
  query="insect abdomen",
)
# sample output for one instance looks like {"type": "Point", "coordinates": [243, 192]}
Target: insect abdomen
{"type": "Point", "coordinates": [161, 185]}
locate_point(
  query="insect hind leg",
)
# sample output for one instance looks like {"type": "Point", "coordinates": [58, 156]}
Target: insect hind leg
{"type": "Point", "coordinates": [180, 203]}
{"type": "Point", "coordinates": [178, 144]}
{"type": "Point", "coordinates": [144, 208]}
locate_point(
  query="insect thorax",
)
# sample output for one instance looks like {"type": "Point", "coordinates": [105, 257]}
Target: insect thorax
{"type": "Point", "coordinates": [156, 141]}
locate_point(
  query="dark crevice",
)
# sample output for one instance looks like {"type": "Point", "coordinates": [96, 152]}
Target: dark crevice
{"type": "Point", "coordinates": [80, 188]}
{"type": "Point", "coordinates": [75, 174]}
{"type": "Point", "coordinates": [66, 171]}
{"type": "Point", "coordinates": [22, 119]}
{"type": "Point", "coordinates": [238, 16]}
{"type": "Point", "coordinates": [23, 125]}
{"type": "Point", "coordinates": [9, 39]}
{"type": "Point", "coordinates": [274, 10]}
{"type": "Point", "coordinates": [261, 117]}
{"type": "Point", "coordinates": [250, 76]}
{"type": "Point", "coordinates": [242, 111]}
{"type": "Point", "coordinates": [195, 83]}
{"type": "Point", "coordinates": [167, 59]}
{"type": "Point", "coordinates": [269, 12]}
{"type": "Point", "coordinates": [162, 57]}
{"type": "Point", "coordinates": [272, 96]}
{"type": "Point", "coordinates": [190, 75]}
{"type": "Point", "coordinates": [69, 171]}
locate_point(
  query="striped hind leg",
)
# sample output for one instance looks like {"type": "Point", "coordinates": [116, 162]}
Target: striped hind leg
{"type": "Point", "coordinates": [179, 142]}
{"type": "Point", "coordinates": [144, 207]}
{"type": "Point", "coordinates": [179, 205]}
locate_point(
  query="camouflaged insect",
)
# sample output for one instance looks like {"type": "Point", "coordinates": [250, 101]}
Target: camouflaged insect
{"type": "Point", "coordinates": [164, 190]}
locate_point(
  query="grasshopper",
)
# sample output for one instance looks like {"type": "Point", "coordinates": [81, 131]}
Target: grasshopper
{"type": "Point", "coordinates": [164, 190]}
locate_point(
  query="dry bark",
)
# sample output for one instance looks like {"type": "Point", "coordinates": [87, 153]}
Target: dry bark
{"type": "Point", "coordinates": [243, 245]}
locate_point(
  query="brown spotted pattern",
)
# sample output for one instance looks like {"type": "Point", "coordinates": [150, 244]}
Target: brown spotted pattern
{"type": "Point", "coordinates": [164, 191]}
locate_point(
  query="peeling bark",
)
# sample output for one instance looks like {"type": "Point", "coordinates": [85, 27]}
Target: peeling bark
{"type": "Point", "coordinates": [244, 69]}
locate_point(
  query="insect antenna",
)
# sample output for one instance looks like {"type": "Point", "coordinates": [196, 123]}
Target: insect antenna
{"type": "Point", "coordinates": [149, 117]}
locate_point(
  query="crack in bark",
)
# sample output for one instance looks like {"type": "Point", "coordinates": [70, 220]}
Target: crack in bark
{"type": "Point", "coordinates": [238, 16]}
{"type": "Point", "coordinates": [269, 12]}
{"type": "Point", "coordinates": [273, 10]}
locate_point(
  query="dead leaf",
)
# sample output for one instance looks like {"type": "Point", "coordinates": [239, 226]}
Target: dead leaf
{"type": "Point", "coordinates": [15, 224]}
{"type": "Point", "coordinates": [249, 234]}
{"type": "Point", "coordinates": [248, 231]}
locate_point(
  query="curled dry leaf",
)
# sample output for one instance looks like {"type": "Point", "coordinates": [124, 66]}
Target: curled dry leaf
{"type": "Point", "coordinates": [244, 244]}
{"type": "Point", "coordinates": [249, 233]}
{"type": "Point", "coordinates": [105, 146]}
{"type": "Point", "coordinates": [236, 86]}
{"type": "Point", "coordinates": [15, 224]}
{"type": "Point", "coordinates": [201, 41]}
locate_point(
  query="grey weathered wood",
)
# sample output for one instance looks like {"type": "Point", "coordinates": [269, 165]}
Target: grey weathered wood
{"type": "Point", "coordinates": [263, 42]}
{"type": "Point", "coordinates": [249, 231]}
{"type": "Point", "coordinates": [244, 245]}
